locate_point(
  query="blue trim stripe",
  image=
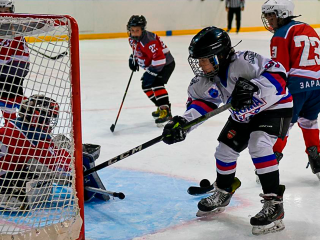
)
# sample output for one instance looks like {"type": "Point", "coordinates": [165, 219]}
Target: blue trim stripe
{"type": "Point", "coordinates": [197, 108]}
{"type": "Point", "coordinates": [284, 98]}
{"type": "Point", "coordinates": [6, 104]}
{"type": "Point", "coordinates": [264, 159]}
{"type": "Point", "coordinates": [169, 33]}
{"type": "Point", "coordinates": [223, 164]}
{"type": "Point", "coordinates": [274, 81]}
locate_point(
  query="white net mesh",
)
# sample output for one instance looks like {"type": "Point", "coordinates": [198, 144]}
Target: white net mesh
{"type": "Point", "coordinates": [37, 183]}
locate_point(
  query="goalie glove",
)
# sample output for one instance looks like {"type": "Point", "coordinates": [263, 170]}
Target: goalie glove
{"type": "Point", "coordinates": [173, 131]}
{"type": "Point", "coordinates": [242, 94]}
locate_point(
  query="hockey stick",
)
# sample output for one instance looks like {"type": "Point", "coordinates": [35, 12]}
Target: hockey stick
{"type": "Point", "coordinates": [125, 93]}
{"type": "Point", "coordinates": [155, 140]}
{"type": "Point", "coordinates": [119, 195]}
{"type": "Point", "coordinates": [65, 53]}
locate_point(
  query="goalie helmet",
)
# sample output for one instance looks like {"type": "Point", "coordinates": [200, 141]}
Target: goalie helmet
{"type": "Point", "coordinates": [212, 43]}
{"type": "Point", "coordinates": [40, 112]}
{"type": "Point", "coordinates": [282, 9]}
{"type": "Point", "coordinates": [7, 4]}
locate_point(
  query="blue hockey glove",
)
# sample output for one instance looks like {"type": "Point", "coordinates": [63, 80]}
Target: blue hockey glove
{"type": "Point", "coordinates": [133, 65]}
{"type": "Point", "coordinates": [173, 132]}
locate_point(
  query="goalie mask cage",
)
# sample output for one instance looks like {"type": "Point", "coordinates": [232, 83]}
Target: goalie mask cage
{"type": "Point", "coordinates": [40, 200]}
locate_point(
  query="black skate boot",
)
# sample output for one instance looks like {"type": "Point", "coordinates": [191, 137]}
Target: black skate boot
{"type": "Point", "coordinates": [314, 160]}
{"type": "Point", "coordinates": [156, 114]}
{"type": "Point", "coordinates": [165, 115]}
{"type": "Point", "coordinates": [269, 219]}
{"type": "Point", "coordinates": [217, 202]}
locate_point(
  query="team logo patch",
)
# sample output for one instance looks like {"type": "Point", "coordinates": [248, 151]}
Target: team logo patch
{"type": "Point", "coordinates": [231, 134]}
{"type": "Point", "coordinates": [213, 93]}
{"type": "Point", "coordinates": [250, 56]}
{"type": "Point", "coordinates": [246, 113]}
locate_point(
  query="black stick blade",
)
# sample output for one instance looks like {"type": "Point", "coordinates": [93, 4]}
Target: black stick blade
{"type": "Point", "coordinates": [193, 190]}
{"type": "Point", "coordinates": [112, 127]}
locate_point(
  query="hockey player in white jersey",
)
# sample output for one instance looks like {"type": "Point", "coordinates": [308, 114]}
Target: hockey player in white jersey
{"type": "Point", "coordinates": [261, 112]}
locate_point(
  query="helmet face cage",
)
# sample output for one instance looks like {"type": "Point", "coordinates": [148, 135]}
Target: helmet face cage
{"type": "Point", "coordinates": [136, 21]}
{"type": "Point", "coordinates": [282, 9]}
{"type": "Point", "coordinates": [197, 70]}
{"type": "Point", "coordinates": [266, 23]}
{"type": "Point", "coordinates": [7, 3]}
{"type": "Point", "coordinates": [40, 112]}
{"type": "Point", "coordinates": [212, 43]}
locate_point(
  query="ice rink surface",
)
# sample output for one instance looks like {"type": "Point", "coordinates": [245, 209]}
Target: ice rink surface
{"type": "Point", "coordinates": [155, 180]}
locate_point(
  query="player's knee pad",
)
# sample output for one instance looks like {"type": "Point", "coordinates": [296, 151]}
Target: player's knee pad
{"type": "Point", "coordinates": [308, 124]}
{"type": "Point", "coordinates": [226, 159]}
{"type": "Point", "coordinates": [226, 153]}
{"type": "Point", "coordinates": [261, 143]}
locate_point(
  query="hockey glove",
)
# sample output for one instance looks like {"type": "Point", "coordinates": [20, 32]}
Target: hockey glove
{"type": "Point", "coordinates": [242, 94]}
{"type": "Point", "coordinates": [133, 65]}
{"type": "Point", "coordinates": [173, 131]}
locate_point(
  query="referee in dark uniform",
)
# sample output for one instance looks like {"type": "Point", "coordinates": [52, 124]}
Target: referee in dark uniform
{"type": "Point", "coordinates": [234, 7]}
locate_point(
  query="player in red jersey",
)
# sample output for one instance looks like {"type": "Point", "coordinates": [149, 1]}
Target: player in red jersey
{"type": "Point", "coordinates": [14, 67]}
{"type": "Point", "coordinates": [151, 54]}
{"type": "Point", "coordinates": [297, 46]}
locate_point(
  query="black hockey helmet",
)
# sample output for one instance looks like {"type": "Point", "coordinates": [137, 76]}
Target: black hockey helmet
{"type": "Point", "coordinates": [213, 43]}
{"type": "Point", "coordinates": [137, 21]}
{"type": "Point", "coordinates": [40, 112]}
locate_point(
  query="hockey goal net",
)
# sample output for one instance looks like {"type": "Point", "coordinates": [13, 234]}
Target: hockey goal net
{"type": "Point", "coordinates": [39, 199]}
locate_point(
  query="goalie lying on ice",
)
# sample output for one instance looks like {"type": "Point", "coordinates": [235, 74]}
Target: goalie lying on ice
{"type": "Point", "coordinates": [32, 161]}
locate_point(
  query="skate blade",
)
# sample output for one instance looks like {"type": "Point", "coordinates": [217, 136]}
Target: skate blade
{"type": "Point", "coordinates": [318, 175]}
{"type": "Point", "coordinates": [276, 226]}
{"type": "Point", "coordinates": [160, 125]}
{"type": "Point", "coordinates": [210, 213]}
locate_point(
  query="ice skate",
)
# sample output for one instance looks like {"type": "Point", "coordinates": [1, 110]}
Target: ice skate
{"type": "Point", "coordinates": [269, 219]}
{"type": "Point", "coordinates": [314, 160]}
{"type": "Point", "coordinates": [156, 114]}
{"type": "Point", "coordinates": [217, 202]}
{"type": "Point", "coordinates": [165, 115]}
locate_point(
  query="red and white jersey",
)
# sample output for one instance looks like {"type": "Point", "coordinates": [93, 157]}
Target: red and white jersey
{"type": "Point", "coordinates": [13, 50]}
{"type": "Point", "coordinates": [297, 46]}
{"type": "Point", "coordinates": [18, 146]}
{"type": "Point", "coordinates": [151, 52]}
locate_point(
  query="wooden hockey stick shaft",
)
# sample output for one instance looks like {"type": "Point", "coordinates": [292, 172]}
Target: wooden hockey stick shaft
{"type": "Point", "coordinates": [65, 53]}
{"type": "Point", "coordinates": [155, 140]}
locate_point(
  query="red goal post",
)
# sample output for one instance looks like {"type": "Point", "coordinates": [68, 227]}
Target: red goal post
{"type": "Point", "coordinates": [56, 211]}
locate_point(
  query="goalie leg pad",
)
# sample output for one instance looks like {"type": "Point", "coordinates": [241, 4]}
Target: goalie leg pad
{"type": "Point", "coordinates": [22, 191]}
{"type": "Point", "coordinates": [92, 180]}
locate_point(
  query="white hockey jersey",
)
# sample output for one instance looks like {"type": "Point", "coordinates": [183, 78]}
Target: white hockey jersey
{"type": "Point", "coordinates": [205, 94]}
